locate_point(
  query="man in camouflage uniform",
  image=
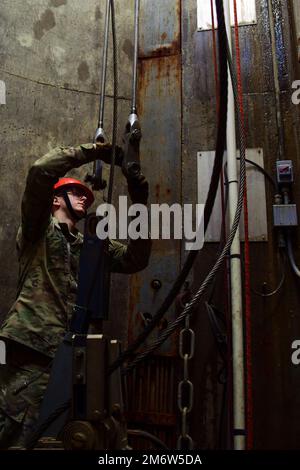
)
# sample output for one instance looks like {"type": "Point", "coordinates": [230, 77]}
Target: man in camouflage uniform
{"type": "Point", "coordinates": [49, 247]}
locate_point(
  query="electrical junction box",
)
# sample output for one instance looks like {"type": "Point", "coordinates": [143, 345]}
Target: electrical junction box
{"type": "Point", "coordinates": [285, 215]}
{"type": "Point", "coordinates": [285, 172]}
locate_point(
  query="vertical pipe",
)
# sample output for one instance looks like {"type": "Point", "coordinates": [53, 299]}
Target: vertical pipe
{"type": "Point", "coordinates": [235, 263]}
{"type": "Point", "coordinates": [135, 57]}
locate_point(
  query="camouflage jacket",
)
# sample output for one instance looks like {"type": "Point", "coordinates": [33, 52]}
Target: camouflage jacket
{"type": "Point", "coordinates": [49, 257]}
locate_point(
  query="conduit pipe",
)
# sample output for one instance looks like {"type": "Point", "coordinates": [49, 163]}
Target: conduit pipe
{"type": "Point", "coordinates": [239, 437]}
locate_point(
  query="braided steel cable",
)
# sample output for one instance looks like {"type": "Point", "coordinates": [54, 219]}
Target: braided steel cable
{"type": "Point", "coordinates": [197, 297]}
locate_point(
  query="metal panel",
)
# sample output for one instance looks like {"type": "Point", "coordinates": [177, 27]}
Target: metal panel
{"type": "Point", "coordinates": [151, 386]}
{"type": "Point", "coordinates": [258, 230]}
{"type": "Point", "coordinates": [160, 31]}
{"type": "Point", "coordinates": [246, 12]}
{"type": "Point", "coordinates": [160, 108]}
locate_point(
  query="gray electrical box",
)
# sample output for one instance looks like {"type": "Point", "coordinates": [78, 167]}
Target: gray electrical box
{"type": "Point", "coordinates": [285, 215]}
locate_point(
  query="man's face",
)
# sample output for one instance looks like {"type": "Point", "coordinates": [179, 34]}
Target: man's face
{"type": "Point", "coordinates": [77, 199]}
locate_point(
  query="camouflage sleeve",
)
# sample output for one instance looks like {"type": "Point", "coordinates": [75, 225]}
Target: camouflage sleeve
{"type": "Point", "coordinates": [129, 258]}
{"type": "Point", "coordinates": [43, 174]}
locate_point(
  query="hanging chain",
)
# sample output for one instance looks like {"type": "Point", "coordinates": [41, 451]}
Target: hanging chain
{"type": "Point", "coordinates": [185, 395]}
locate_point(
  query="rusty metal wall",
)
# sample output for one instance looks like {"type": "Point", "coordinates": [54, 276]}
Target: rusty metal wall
{"type": "Point", "coordinates": [276, 320]}
{"type": "Point", "coordinates": [159, 93]}
{"type": "Point", "coordinates": [50, 61]}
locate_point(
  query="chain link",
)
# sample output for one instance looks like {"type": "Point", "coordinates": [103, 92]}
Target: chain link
{"type": "Point", "coordinates": [185, 394]}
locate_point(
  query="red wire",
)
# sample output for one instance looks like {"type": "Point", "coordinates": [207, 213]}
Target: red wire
{"type": "Point", "coordinates": [248, 346]}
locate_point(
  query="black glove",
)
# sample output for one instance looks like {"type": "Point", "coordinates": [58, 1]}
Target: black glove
{"type": "Point", "coordinates": [138, 189]}
{"type": "Point", "coordinates": [105, 151]}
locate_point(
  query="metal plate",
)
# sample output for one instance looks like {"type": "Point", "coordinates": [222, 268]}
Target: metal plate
{"type": "Point", "coordinates": [246, 12]}
{"type": "Point", "coordinates": [257, 209]}
{"type": "Point", "coordinates": [160, 28]}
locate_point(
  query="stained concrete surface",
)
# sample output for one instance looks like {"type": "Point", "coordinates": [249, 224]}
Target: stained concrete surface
{"type": "Point", "coordinates": [50, 61]}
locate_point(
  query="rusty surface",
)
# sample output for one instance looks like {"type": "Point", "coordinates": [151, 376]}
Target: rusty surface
{"type": "Point", "coordinates": [160, 31]}
{"type": "Point", "coordinates": [160, 115]}
{"type": "Point", "coordinates": [151, 396]}
{"type": "Point", "coordinates": [162, 50]}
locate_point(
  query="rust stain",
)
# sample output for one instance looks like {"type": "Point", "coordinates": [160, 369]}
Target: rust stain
{"type": "Point", "coordinates": [144, 81]}
{"type": "Point", "coordinates": [164, 36]}
{"type": "Point", "coordinates": [164, 68]}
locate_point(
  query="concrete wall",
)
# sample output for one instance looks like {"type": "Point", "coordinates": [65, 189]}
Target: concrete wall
{"type": "Point", "coordinates": [51, 58]}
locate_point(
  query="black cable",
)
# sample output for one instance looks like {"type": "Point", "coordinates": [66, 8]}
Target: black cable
{"type": "Point", "coordinates": [218, 334]}
{"type": "Point", "coordinates": [220, 146]}
{"type": "Point", "coordinates": [280, 284]}
{"type": "Point", "coordinates": [188, 310]}
{"type": "Point", "coordinates": [291, 255]}
{"type": "Point", "coordinates": [223, 414]}
{"type": "Point", "coordinates": [221, 341]}
{"type": "Point", "coordinates": [264, 172]}
{"type": "Point", "coordinates": [222, 233]}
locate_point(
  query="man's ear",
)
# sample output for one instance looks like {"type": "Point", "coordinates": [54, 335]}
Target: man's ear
{"type": "Point", "coordinates": [56, 202]}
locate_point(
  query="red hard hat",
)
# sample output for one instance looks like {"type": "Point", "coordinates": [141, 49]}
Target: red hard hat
{"type": "Point", "coordinates": [63, 183]}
